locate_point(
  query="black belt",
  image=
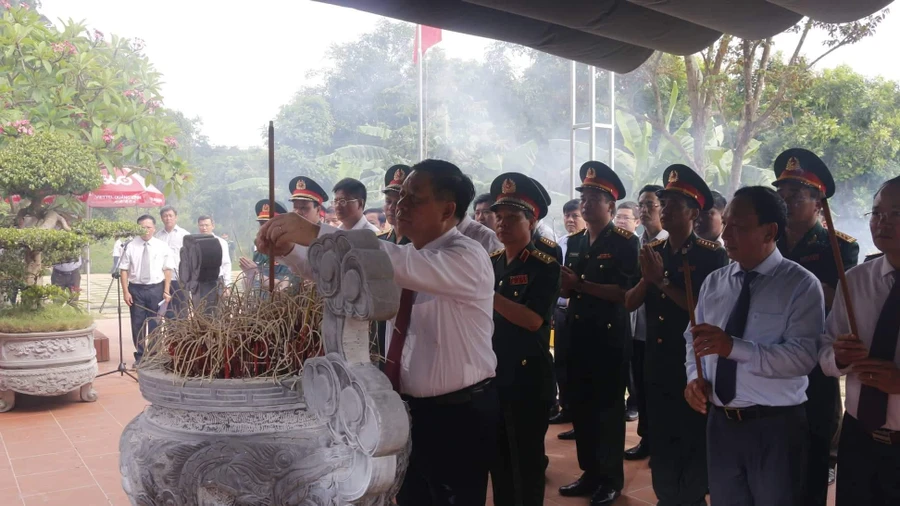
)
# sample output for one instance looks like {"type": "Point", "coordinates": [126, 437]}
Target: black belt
{"type": "Point", "coordinates": [753, 412]}
{"type": "Point", "coordinates": [883, 436]}
{"type": "Point", "coordinates": [458, 397]}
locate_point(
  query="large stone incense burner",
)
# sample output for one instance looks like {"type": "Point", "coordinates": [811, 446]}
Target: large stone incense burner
{"type": "Point", "coordinates": [338, 435]}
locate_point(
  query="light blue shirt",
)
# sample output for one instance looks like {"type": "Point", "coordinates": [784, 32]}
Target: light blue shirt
{"type": "Point", "coordinates": [780, 343]}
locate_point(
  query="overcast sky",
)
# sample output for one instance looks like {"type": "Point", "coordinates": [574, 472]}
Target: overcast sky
{"type": "Point", "coordinates": [234, 63]}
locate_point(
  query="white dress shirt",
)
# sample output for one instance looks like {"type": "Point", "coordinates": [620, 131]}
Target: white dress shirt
{"type": "Point", "coordinates": [870, 283]}
{"type": "Point", "coordinates": [225, 269]}
{"type": "Point", "coordinates": [160, 260]}
{"type": "Point", "coordinates": [117, 248]}
{"type": "Point", "coordinates": [639, 315]}
{"type": "Point", "coordinates": [362, 224]}
{"type": "Point", "coordinates": [485, 236]}
{"type": "Point", "coordinates": [448, 344]}
{"type": "Point", "coordinates": [175, 240]}
{"type": "Point", "coordinates": [68, 266]}
{"type": "Point", "coordinates": [544, 230]}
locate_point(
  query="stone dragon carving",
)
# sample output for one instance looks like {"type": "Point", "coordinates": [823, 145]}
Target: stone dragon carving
{"type": "Point", "coordinates": [341, 439]}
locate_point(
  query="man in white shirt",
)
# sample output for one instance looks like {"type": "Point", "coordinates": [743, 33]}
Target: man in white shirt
{"type": "Point", "coordinates": [869, 450]}
{"type": "Point", "coordinates": [349, 202]}
{"type": "Point", "coordinates": [146, 274]}
{"type": "Point", "coordinates": [68, 275]}
{"type": "Point", "coordinates": [173, 236]}
{"type": "Point", "coordinates": [206, 225]}
{"type": "Point", "coordinates": [443, 364]}
{"type": "Point", "coordinates": [486, 237]}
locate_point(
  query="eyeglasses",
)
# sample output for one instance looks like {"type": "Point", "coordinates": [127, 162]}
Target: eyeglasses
{"type": "Point", "coordinates": [887, 217]}
{"type": "Point", "coordinates": [647, 205]}
{"type": "Point", "coordinates": [344, 202]}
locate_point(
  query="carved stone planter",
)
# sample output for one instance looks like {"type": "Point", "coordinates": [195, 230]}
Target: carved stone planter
{"type": "Point", "coordinates": [337, 436]}
{"type": "Point", "coordinates": [47, 364]}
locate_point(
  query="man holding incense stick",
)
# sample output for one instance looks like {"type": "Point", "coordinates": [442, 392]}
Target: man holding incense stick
{"type": "Point", "coordinates": [678, 453]}
{"type": "Point", "coordinates": [759, 323]}
{"type": "Point", "coordinates": [440, 356]}
{"type": "Point", "coordinates": [803, 181]}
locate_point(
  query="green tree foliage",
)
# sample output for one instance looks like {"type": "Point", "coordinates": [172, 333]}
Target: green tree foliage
{"type": "Point", "coordinates": [42, 165]}
{"type": "Point", "coordinates": [103, 92]}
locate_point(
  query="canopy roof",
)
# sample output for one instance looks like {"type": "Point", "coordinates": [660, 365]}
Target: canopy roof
{"type": "Point", "coordinates": [618, 35]}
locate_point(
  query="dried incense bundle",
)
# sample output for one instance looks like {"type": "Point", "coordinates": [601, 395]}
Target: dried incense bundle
{"type": "Point", "coordinates": [252, 334]}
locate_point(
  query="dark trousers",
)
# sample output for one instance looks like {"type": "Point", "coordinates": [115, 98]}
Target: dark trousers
{"type": "Point", "coordinates": [597, 387]}
{"type": "Point", "coordinates": [868, 472]}
{"type": "Point", "coordinates": [145, 304]}
{"type": "Point", "coordinates": [179, 303]}
{"type": "Point", "coordinates": [561, 345]}
{"type": "Point", "coordinates": [823, 416]}
{"type": "Point", "coordinates": [67, 279]}
{"type": "Point", "coordinates": [453, 446]}
{"type": "Point", "coordinates": [678, 452]}
{"type": "Point", "coordinates": [760, 462]}
{"type": "Point", "coordinates": [637, 398]}
{"type": "Point", "coordinates": [517, 474]}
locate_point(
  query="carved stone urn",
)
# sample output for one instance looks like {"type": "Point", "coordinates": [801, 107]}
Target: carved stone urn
{"type": "Point", "coordinates": [47, 364]}
{"type": "Point", "coordinates": [337, 435]}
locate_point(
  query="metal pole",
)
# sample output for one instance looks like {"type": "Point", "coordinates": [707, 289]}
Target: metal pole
{"type": "Point", "coordinates": [593, 129]}
{"type": "Point", "coordinates": [88, 264]}
{"type": "Point", "coordinates": [612, 120]}
{"type": "Point", "coordinates": [572, 138]}
{"type": "Point", "coordinates": [421, 100]}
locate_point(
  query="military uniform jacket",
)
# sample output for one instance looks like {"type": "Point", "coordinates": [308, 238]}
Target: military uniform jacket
{"type": "Point", "coordinates": [666, 320]}
{"type": "Point", "coordinates": [611, 260]}
{"type": "Point", "coordinates": [813, 252]}
{"type": "Point", "coordinates": [262, 261]}
{"type": "Point", "coordinates": [549, 247]}
{"type": "Point", "coordinates": [524, 364]}
{"type": "Point", "coordinates": [391, 236]}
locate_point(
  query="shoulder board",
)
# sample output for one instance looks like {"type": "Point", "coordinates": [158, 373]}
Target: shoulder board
{"type": "Point", "coordinates": [624, 233]}
{"type": "Point", "coordinates": [844, 237]}
{"type": "Point", "coordinates": [711, 245]}
{"type": "Point", "coordinates": [383, 234]}
{"type": "Point", "coordinates": [543, 257]}
{"type": "Point", "coordinates": [498, 252]}
{"type": "Point", "coordinates": [656, 243]}
{"type": "Point", "coordinates": [548, 242]}
{"type": "Point", "coordinates": [873, 256]}
{"type": "Point", "coordinates": [580, 232]}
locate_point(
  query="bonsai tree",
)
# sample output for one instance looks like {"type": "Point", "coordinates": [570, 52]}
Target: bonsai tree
{"type": "Point", "coordinates": [35, 167]}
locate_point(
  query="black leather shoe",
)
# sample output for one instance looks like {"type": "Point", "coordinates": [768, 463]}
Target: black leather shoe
{"type": "Point", "coordinates": [568, 435]}
{"type": "Point", "coordinates": [631, 415]}
{"type": "Point", "coordinates": [582, 487]}
{"type": "Point", "coordinates": [639, 452]}
{"type": "Point", "coordinates": [561, 417]}
{"type": "Point", "coordinates": [604, 495]}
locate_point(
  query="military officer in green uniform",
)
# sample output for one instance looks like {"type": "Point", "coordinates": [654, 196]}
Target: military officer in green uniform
{"type": "Point", "coordinates": [545, 244]}
{"type": "Point", "coordinates": [393, 180]}
{"type": "Point", "coordinates": [256, 271]}
{"type": "Point", "coordinates": [526, 285]}
{"type": "Point", "coordinates": [601, 265]}
{"type": "Point", "coordinates": [803, 181]}
{"type": "Point", "coordinates": [678, 453]}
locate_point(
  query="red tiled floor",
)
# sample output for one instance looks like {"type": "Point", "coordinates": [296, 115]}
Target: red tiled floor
{"type": "Point", "coordinates": [63, 451]}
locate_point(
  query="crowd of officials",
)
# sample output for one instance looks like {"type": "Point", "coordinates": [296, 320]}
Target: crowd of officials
{"type": "Point", "coordinates": [724, 320]}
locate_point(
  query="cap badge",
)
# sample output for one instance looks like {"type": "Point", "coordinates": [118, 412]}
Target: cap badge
{"type": "Point", "coordinates": [399, 175]}
{"type": "Point", "coordinates": [509, 186]}
{"type": "Point", "coordinates": [301, 185]}
{"type": "Point", "coordinates": [591, 174]}
{"type": "Point", "coordinates": [793, 165]}
{"type": "Point", "coordinates": [673, 177]}
{"type": "Point", "coordinates": [265, 209]}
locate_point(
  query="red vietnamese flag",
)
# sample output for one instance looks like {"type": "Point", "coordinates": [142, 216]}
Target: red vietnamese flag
{"type": "Point", "coordinates": [430, 37]}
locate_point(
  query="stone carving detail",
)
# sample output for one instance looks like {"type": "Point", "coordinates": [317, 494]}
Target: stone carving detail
{"type": "Point", "coordinates": [343, 438]}
{"type": "Point", "coordinates": [43, 348]}
{"type": "Point", "coordinates": [46, 364]}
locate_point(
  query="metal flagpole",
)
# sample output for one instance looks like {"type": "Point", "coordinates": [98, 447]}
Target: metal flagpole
{"type": "Point", "coordinates": [421, 97]}
{"type": "Point", "coordinates": [572, 132]}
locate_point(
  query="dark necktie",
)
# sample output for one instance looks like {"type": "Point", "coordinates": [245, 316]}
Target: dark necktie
{"type": "Point", "coordinates": [398, 338]}
{"type": "Point", "coordinates": [726, 369]}
{"type": "Point", "coordinates": [872, 408]}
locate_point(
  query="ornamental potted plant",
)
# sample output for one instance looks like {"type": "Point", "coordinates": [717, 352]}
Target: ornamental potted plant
{"type": "Point", "coordinates": [46, 339]}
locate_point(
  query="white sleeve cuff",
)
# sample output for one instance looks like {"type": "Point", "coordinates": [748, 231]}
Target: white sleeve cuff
{"type": "Point", "coordinates": [742, 351]}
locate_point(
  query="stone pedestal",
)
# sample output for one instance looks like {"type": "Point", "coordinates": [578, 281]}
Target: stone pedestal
{"type": "Point", "coordinates": [47, 364]}
{"type": "Point", "coordinates": [338, 435]}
